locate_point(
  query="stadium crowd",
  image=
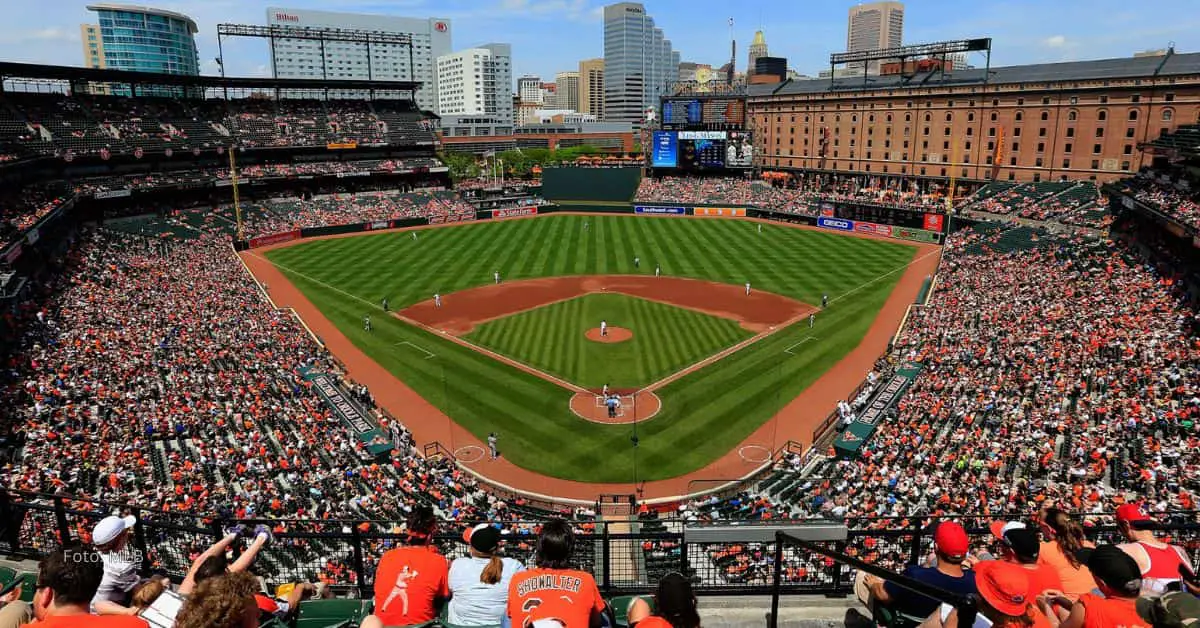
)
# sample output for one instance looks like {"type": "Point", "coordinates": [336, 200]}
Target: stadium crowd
{"type": "Point", "coordinates": [794, 196]}
{"type": "Point", "coordinates": [341, 209]}
{"type": "Point", "coordinates": [1169, 192]}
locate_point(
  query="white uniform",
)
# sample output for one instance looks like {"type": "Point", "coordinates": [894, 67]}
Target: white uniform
{"type": "Point", "coordinates": [414, 235]}
{"type": "Point", "coordinates": [747, 287]}
{"type": "Point", "coordinates": [603, 328]}
{"type": "Point", "coordinates": [760, 228]}
{"type": "Point", "coordinates": [437, 300]}
{"type": "Point", "coordinates": [496, 276]}
{"type": "Point", "coordinates": [657, 270]}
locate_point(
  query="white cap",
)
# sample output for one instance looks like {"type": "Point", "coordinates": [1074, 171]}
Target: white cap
{"type": "Point", "coordinates": [110, 527]}
{"type": "Point", "coordinates": [547, 623]}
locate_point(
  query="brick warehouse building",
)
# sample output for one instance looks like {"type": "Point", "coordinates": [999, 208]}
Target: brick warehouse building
{"type": "Point", "coordinates": [1078, 120]}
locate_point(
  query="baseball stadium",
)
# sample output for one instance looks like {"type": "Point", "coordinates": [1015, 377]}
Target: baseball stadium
{"type": "Point", "coordinates": [268, 342]}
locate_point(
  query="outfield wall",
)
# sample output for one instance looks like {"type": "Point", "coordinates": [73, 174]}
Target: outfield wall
{"type": "Point", "coordinates": [590, 184]}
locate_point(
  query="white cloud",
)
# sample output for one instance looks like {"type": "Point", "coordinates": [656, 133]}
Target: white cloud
{"type": "Point", "coordinates": [1055, 41]}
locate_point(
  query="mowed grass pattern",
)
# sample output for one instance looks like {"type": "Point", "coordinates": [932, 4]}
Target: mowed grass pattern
{"type": "Point", "coordinates": [704, 414]}
{"type": "Point", "coordinates": [665, 339]}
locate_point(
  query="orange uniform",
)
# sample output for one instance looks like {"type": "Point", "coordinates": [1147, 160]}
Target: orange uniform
{"type": "Point", "coordinates": [568, 595]}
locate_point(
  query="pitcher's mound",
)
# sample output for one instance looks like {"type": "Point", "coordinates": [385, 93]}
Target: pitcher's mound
{"type": "Point", "coordinates": [615, 334]}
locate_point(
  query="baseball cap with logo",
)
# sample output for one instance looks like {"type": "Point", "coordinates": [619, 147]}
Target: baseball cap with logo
{"type": "Point", "coordinates": [1003, 585]}
{"type": "Point", "coordinates": [951, 539]}
{"type": "Point", "coordinates": [1134, 515]}
{"type": "Point", "coordinates": [110, 528]}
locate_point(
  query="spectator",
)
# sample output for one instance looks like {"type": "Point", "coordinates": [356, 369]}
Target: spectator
{"type": "Point", "coordinates": [111, 537]}
{"type": "Point", "coordinates": [1061, 551]}
{"type": "Point", "coordinates": [1019, 545]}
{"type": "Point", "coordinates": [1158, 561]}
{"type": "Point", "coordinates": [479, 581]}
{"type": "Point", "coordinates": [553, 590]}
{"type": "Point", "coordinates": [68, 579]}
{"type": "Point", "coordinates": [144, 594]}
{"type": "Point", "coordinates": [213, 562]}
{"type": "Point", "coordinates": [674, 605]}
{"type": "Point", "coordinates": [410, 580]}
{"type": "Point", "coordinates": [1173, 609]}
{"type": "Point", "coordinates": [1119, 580]}
{"type": "Point", "coordinates": [1002, 600]}
{"type": "Point", "coordinates": [950, 548]}
{"type": "Point", "coordinates": [13, 612]}
{"type": "Point", "coordinates": [226, 601]}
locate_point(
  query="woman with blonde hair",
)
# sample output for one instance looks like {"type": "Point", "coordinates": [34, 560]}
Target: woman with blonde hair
{"type": "Point", "coordinates": [479, 581]}
{"type": "Point", "coordinates": [226, 601]}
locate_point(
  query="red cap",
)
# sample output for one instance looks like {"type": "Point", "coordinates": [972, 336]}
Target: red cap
{"type": "Point", "coordinates": [1004, 585]}
{"type": "Point", "coordinates": [265, 604]}
{"type": "Point", "coordinates": [951, 539]}
{"type": "Point", "coordinates": [1131, 512]}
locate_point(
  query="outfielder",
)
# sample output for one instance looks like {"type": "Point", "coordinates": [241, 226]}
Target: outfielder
{"type": "Point", "coordinates": [385, 304]}
{"type": "Point", "coordinates": [747, 288]}
{"type": "Point", "coordinates": [760, 227]}
{"type": "Point", "coordinates": [604, 391]}
{"type": "Point", "coordinates": [824, 301]}
{"type": "Point", "coordinates": [414, 236]}
{"type": "Point", "coordinates": [657, 270]}
{"type": "Point", "coordinates": [812, 318]}
{"type": "Point", "coordinates": [496, 276]}
{"type": "Point", "coordinates": [437, 300]}
{"type": "Point", "coordinates": [637, 262]}
{"type": "Point", "coordinates": [367, 323]}
{"type": "Point", "coordinates": [603, 328]}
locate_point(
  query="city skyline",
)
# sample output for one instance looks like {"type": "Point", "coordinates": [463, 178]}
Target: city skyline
{"type": "Point", "coordinates": [552, 36]}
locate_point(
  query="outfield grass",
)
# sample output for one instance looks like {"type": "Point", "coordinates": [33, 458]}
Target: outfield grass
{"type": "Point", "coordinates": [704, 413]}
{"type": "Point", "coordinates": [665, 339]}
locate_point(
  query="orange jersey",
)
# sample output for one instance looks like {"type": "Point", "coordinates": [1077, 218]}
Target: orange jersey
{"type": "Point", "coordinates": [407, 582]}
{"type": "Point", "coordinates": [567, 595]}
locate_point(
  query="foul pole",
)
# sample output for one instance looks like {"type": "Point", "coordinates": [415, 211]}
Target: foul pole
{"type": "Point", "coordinates": [237, 205]}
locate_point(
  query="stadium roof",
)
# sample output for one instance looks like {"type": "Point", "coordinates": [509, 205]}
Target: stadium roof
{"type": "Point", "coordinates": [1128, 67]}
{"type": "Point", "coordinates": [68, 73]}
{"type": "Point", "coordinates": [147, 10]}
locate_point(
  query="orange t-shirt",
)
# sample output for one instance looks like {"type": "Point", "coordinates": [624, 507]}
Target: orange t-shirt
{"type": "Point", "coordinates": [90, 621]}
{"type": "Point", "coordinates": [1042, 579]}
{"type": "Point", "coordinates": [407, 581]}
{"type": "Point", "coordinates": [1101, 612]}
{"type": "Point", "coordinates": [567, 595]}
{"type": "Point", "coordinates": [654, 621]}
{"type": "Point", "coordinates": [1075, 581]}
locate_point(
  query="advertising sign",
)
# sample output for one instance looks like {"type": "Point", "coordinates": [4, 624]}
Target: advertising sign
{"type": "Point", "coordinates": [916, 235]}
{"type": "Point", "coordinates": [378, 224]}
{"type": "Point", "coordinates": [665, 150]}
{"type": "Point", "coordinates": [275, 238]}
{"type": "Point", "coordinates": [870, 227]}
{"type": "Point", "coordinates": [735, 212]}
{"type": "Point", "coordinates": [649, 209]}
{"type": "Point", "coordinates": [934, 222]}
{"type": "Point", "coordinates": [835, 223]}
{"type": "Point", "coordinates": [112, 194]}
{"type": "Point", "coordinates": [514, 211]}
{"type": "Point", "coordinates": [702, 135]}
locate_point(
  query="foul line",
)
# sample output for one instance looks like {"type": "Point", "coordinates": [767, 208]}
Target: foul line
{"type": "Point", "coordinates": [789, 349]}
{"type": "Point", "coordinates": [428, 354]}
{"type": "Point", "coordinates": [935, 251]}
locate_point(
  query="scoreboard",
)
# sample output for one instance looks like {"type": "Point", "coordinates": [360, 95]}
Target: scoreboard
{"type": "Point", "coordinates": [702, 150]}
{"type": "Point", "coordinates": [884, 215]}
{"type": "Point", "coordinates": [682, 112]}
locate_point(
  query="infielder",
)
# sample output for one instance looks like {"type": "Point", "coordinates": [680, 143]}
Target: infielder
{"type": "Point", "coordinates": [657, 270]}
{"type": "Point", "coordinates": [824, 301]}
{"type": "Point", "coordinates": [496, 276]}
{"type": "Point", "coordinates": [760, 227]}
{"type": "Point", "coordinates": [367, 323]}
{"type": "Point", "coordinates": [604, 391]}
{"type": "Point", "coordinates": [603, 328]}
{"type": "Point", "coordinates": [437, 300]}
{"type": "Point", "coordinates": [385, 304]}
{"type": "Point", "coordinates": [812, 318]}
{"type": "Point", "coordinates": [747, 288]}
{"type": "Point", "coordinates": [414, 236]}
{"type": "Point", "coordinates": [492, 440]}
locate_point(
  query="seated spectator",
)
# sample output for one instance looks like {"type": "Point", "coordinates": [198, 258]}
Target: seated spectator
{"type": "Point", "coordinates": [1061, 551]}
{"type": "Point", "coordinates": [674, 605]}
{"type": "Point", "coordinates": [1174, 609]}
{"type": "Point", "coordinates": [14, 612]}
{"type": "Point", "coordinates": [1019, 545]}
{"type": "Point", "coordinates": [1119, 580]}
{"type": "Point", "coordinates": [111, 537]}
{"type": "Point", "coordinates": [950, 548]}
{"type": "Point", "coordinates": [553, 590]}
{"type": "Point", "coordinates": [226, 601]}
{"type": "Point", "coordinates": [1002, 600]}
{"type": "Point", "coordinates": [1157, 561]}
{"type": "Point", "coordinates": [479, 581]}
{"type": "Point", "coordinates": [144, 594]}
{"type": "Point", "coordinates": [213, 562]}
{"type": "Point", "coordinates": [411, 579]}
{"type": "Point", "coordinates": [68, 579]}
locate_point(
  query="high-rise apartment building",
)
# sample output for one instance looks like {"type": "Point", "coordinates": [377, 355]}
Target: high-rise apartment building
{"type": "Point", "coordinates": [591, 87]}
{"type": "Point", "coordinates": [567, 90]}
{"type": "Point", "coordinates": [758, 48]}
{"type": "Point", "coordinates": [550, 95]}
{"type": "Point", "coordinates": [639, 64]}
{"type": "Point", "coordinates": [529, 89]}
{"type": "Point", "coordinates": [477, 82]}
{"type": "Point", "coordinates": [874, 26]}
{"type": "Point", "coordinates": [141, 39]}
{"type": "Point", "coordinates": [336, 60]}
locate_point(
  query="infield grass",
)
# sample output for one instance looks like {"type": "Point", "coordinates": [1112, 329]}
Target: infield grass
{"type": "Point", "coordinates": [704, 414]}
{"type": "Point", "coordinates": [665, 339]}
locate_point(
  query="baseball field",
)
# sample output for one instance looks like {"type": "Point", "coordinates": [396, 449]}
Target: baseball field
{"type": "Point", "coordinates": [508, 358]}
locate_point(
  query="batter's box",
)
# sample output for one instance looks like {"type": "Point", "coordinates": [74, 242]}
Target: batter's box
{"type": "Point", "coordinates": [626, 403]}
{"type": "Point", "coordinates": [428, 355]}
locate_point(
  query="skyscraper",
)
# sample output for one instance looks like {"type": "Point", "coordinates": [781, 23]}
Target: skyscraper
{"type": "Point", "coordinates": [142, 39]}
{"type": "Point", "coordinates": [93, 45]}
{"type": "Point", "coordinates": [758, 48]}
{"type": "Point", "coordinates": [639, 64]}
{"type": "Point", "coordinates": [567, 90]}
{"type": "Point", "coordinates": [300, 58]}
{"type": "Point", "coordinates": [476, 82]}
{"type": "Point", "coordinates": [874, 26]}
{"type": "Point", "coordinates": [591, 87]}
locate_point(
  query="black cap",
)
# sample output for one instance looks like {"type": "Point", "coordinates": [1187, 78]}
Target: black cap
{"type": "Point", "coordinates": [1024, 543]}
{"type": "Point", "coordinates": [1112, 566]}
{"type": "Point", "coordinates": [485, 540]}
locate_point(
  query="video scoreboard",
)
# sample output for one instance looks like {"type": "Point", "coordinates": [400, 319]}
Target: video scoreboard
{"type": "Point", "coordinates": [682, 112]}
{"type": "Point", "coordinates": [701, 150]}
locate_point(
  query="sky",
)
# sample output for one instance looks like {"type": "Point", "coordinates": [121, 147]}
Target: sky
{"type": "Point", "coordinates": [550, 36]}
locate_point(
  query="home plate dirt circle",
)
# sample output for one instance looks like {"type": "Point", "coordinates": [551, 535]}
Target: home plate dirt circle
{"type": "Point", "coordinates": [589, 406]}
{"type": "Point", "coordinates": [615, 334]}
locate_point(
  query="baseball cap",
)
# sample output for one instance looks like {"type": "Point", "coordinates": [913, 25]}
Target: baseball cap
{"type": "Point", "coordinates": [1003, 585]}
{"type": "Point", "coordinates": [998, 528]}
{"type": "Point", "coordinates": [1024, 543]}
{"type": "Point", "coordinates": [483, 538]}
{"type": "Point", "coordinates": [1134, 516]}
{"type": "Point", "coordinates": [951, 539]}
{"type": "Point", "coordinates": [1112, 566]}
{"type": "Point", "coordinates": [1175, 609]}
{"type": "Point", "coordinates": [110, 527]}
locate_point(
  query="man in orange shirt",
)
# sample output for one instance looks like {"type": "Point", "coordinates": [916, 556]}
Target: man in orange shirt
{"type": "Point", "coordinates": [553, 593]}
{"type": "Point", "coordinates": [1020, 545]}
{"type": "Point", "coordinates": [67, 580]}
{"type": "Point", "coordinates": [410, 580]}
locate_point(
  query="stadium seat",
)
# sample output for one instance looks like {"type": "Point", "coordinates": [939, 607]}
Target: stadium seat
{"type": "Point", "coordinates": [893, 619]}
{"type": "Point", "coordinates": [326, 613]}
{"type": "Point", "coordinates": [620, 607]}
{"type": "Point", "coordinates": [7, 575]}
{"type": "Point", "coordinates": [28, 586]}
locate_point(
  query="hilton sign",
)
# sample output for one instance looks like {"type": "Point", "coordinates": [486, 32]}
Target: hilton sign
{"type": "Point", "coordinates": [284, 17]}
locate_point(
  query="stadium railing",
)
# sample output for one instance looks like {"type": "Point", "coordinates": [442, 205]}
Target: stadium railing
{"type": "Point", "coordinates": [627, 556]}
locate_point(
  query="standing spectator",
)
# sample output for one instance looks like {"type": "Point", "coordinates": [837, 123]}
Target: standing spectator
{"type": "Point", "coordinates": [1119, 580]}
{"type": "Point", "coordinates": [1158, 561]}
{"type": "Point", "coordinates": [479, 582]}
{"type": "Point", "coordinates": [553, 590]}
{"type": "Point", "coordinates": [410, 579]}
{"type": "Point", "coordinates": [111, 537]}
{"type": "Point", "coordinates": [226, 601]}
{"type": "Point", "coordinates": [674, 605]}
{"type": "Point", "coordinates": [68, 579]}
{"type": "Point", "coordinates": [1061, 552]}
{"type": "Point", "coordinates": [950, 548]}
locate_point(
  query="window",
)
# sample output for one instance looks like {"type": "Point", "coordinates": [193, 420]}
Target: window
{"type": "Point", "coordinates": [1066, 163]}
{"type": "Point", "coordinates": [1100, 132]}
{"type": "Point", "coordinates": [908, 116]}
{"type": "Point", "coordinates": [949, 117]}
{"type": "Point", "coordinates": [1012, 161]}
{"type": "Point", "coordinates": [970, 131]}
{"type": "Point", "coordinates": [927, 117]}
{"type": "Point", "coordinates": [1167, 115]}
{"type": "Point", "coordinates": [991, 146]}
{"type": "Point", "coordinates": [1072, 115]}
{"type": "Point", "coordinates": [1074, 100]}
{"type": "Point", "coordinates": [1045, 100]}
{"type": "Point", "coordinates": [970, 116]}
{"type": "Point", "coordinates": [1102, 115]}
{"type": "Point", "coordinates": [1067, 148]}
{"type": "Point", "coordinates": [1071, 132]}
{"type": "Point", "coordinates": [1095, 164]}
{"type": "Point", "coordinates": [1125, 166]}
{"type": "Point", "coordinates": [1042, 132]}
{"type": "Point", "coordinates": [993, 116]}
{"type": "Point", "coordinates": [1016, 147]}
{"type": "Point", "coordinates": [1037, 162]}
{"type": "Point", "coordinates": [1020, 101]}
{"type": "Point", "coordinates": [1169, 97]}
{"type": "Point", "coordinates": [992, 131]}
{"type": "Point", "coordinates": [889, 118]}
{"type": "Point", "coordinates": [1016, 132]}
{"type": "Point", "coordinates": [1096, 149]}
{"type": "Point", "coordinates": [1103, 99]}
{"type": "Point", "coordinates": [1020, 116]}
{"type": "Point", "coordinates": [1128, 149]}
{"type": "Point", "coordinates": [1041, 147]}
{"type": "Point", "coordinates": [946, 145]}
{"type": "Point", "coordinates": [1133, 114]}
{"type": "Point", "coordinates": [1129, 132]}
{"type": "Point", "coordinates": [1135, 98]}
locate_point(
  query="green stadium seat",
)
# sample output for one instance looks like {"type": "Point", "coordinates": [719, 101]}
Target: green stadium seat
{"type": "Point", "coordinates": [327, 613]}
{"type": "Point", "coordinates": [7, 575]}
{"type": "Point", "coordinates": [28, 586]}
{"type": "Point", "coordinates": [893, 619]}
{"type": "Point", "coordinates": [620, 606]}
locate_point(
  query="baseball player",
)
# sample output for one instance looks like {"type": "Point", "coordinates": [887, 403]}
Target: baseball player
{"type": "Point", "coordinates": [657, 270]}
{"type": "Point", "coordinates": [414, 236]}
{"type": "Point", "coordinates": [760, 227]}
{"type": "Point", "coordinates": [496, 276]}
{"type": "Point", "coordinates": [824, 301]}
{"type": "Point", "coordinates": [637, 262]}
{"type": "Point", "coordinates": [492, 440]}
{"type": "Point", "coordinates": [603, 328]}
{"type": "Point", "coordinates": [437, 300]}
{"type": "Point", "coordinates": [367, 322]}
{"type": "Point", "coordinates": [604, 391]}
{"type": "Point", "coordinates": [812, 318]}
{"type": "Point", "coordinates": [585, 225]}
{"type": "Point", "coordinates": [747, 288]}
{"type": "Point", "coordinates": [385, 304]}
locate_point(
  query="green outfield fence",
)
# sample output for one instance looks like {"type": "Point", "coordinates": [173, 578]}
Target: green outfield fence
{"type": "Point", "coordinates": [590, 184]}
{"type": "Point", "coordinates": [631, 562]}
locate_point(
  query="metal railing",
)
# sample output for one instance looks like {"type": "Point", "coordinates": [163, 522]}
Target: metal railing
{"type": "Point", "coordinates": [626, 556]}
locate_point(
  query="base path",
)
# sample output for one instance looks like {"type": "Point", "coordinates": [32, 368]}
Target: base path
{"type": "Point", "coordinates": [463, 310]}
{"type": "Point", "coordinates": [796, 421]}
{"type": "Point", "coordinates": [611, 335]}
